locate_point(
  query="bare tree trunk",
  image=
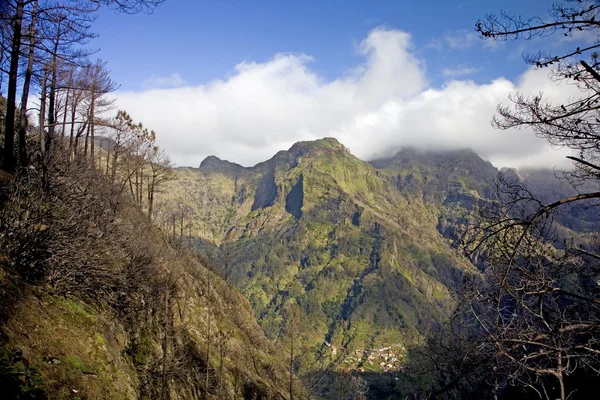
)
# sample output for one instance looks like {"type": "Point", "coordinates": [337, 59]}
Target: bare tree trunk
{"type": "Point", "coordinates": [130, 185]}
{"type": "Point", "coordinates": [65, 112]}
{"type": "Point", "coordinates": [165, 344]}
{"type": "Point", "coordinates": [23, 158]}
{"type": "Point", "coordinates": [72, 137]}
{"type": "Point", "coordinates": [151, 197]}
{"type": "Point", "coordinates": [136, 196]}
{"type": "Point", "coordinates": [13, 72]}
{"type": "Point", "coordinates": [181, 226]}
{"type": "Point", "coordinates": [44, 156]}
{"type": "Point", "coordinates": [87, 138]}
{"type": "Point", "coordinates": [92, 126]}
{"type": "Point", "coordinates": [1, 75]}
{"type": "Point", "coordinates": [64, 123]}
{"type": "Point", "coordinates": [113, 172]}
{"type": "Point", "coordinates": [560, 377]}
{"type": "Point", "coordinates": [52, 100]}
{"type": "Point", "coordinates": [141, 194]}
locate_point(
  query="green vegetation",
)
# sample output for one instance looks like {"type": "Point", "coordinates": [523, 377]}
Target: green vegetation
{"type": "Point", "coordinates": [79, 313]}
{"type": "Point", "coordinates": [75, 363]}
{"type": "Point", "coordinates": [363, 260]}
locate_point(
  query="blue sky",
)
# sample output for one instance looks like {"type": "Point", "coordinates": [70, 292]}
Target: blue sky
{"type": "Point", "coordinates": [244, 79]}
{"type": "Point", "coordinates": [204, 40]}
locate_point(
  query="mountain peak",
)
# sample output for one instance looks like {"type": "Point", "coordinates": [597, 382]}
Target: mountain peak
{"type": "Point", "coordinates": [215, 164]}
{"type": "Point", "coordinates": [410, 155]}
{"type": "Point", "coordinates": [315, 147]}
{"type": "Point", "coordinates": [210, 160]}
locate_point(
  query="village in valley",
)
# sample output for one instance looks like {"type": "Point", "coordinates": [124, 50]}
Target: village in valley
{"type": "Point", "coordinates": [384, 359]}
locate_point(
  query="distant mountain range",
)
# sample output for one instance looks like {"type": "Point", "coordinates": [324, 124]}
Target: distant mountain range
{"type": "Point", "coordinates": [363, 248]}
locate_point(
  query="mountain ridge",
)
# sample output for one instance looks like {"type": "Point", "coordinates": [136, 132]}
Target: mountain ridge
{"type": "Point", "coordinates": [364, 249]}
{"type": "Point", "coordinates": [317, 226]}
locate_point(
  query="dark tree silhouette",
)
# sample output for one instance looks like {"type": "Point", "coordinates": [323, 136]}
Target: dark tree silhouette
{"type": "Point", "coordinates": [536, 311]}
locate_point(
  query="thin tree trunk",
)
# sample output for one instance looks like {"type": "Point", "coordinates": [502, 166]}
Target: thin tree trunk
{"type": "Point", "coordinates": [77, 136]}
{"type": "Point", "coordinates": [43, 148]}
{"type": "Point", "coordinates": [560, 377]}
{"type": "Point", "coordinates": [23, 158]}
{"type": "Point", "coordinates": [64, 123]}
{"type": "Point", "coordinates": [1, 75]}
{"type": "Point", "coordinates": [130, 184]}
{"type": "Point", "coordinates": [136, 196]}
{"type": "Point", "coordinates": [87, 138]}
{"type": "Point", "coordinates": [151, 197]}
{"type": "Point", "coordinates": [113, 172]}
{"type": "Point", "coordinates": [165, 345]}
{"type": "Point", "coordinates": [92, 125]}
{"type": "Point", "coordinates": [142, 186]}
{"type": "Point", "coordinates": [181, 226]}
{"type": "Point", "coordinates": [52, 100]}
{"type": "Point", "coordinates": [13, 72]}
{"type": "Point", "coordinates": [73, 115]}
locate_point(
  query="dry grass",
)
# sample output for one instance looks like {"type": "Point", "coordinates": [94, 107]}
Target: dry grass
{"type": "Point", "coordinates": [75, 348]}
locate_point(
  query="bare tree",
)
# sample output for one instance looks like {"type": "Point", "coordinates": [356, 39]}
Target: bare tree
{"type": "Point", "coordinates": [536, 310]}
{"type": "Point", "coordinates": [573, 124]}
{"type": "Point", "coordinates": [55, 29]}
{"type": "Point", "coordinates": [160, 173]}
{"type": "Point", "coordinates": [130, 6]}
{"type": "Point", "coordinates": [16, 11]}
{"type": "Point", "coordinates": [75, 105]}
{"type": "Point", "coordinates": [99, 84]}
{"type": "Point", "coordinates": [23, 157]}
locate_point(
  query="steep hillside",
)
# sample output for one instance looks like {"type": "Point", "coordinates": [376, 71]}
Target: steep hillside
{"type": "Point", "coordinates": [550, 186]}
{"type": "Point", "coordinates": [96, 304]}
{"type": "Point", "coordinates": [438, 174]}
{"type": "Point", "coordinates": [318, 227]}
{"type": "Point", "coordinates": [449, 182]}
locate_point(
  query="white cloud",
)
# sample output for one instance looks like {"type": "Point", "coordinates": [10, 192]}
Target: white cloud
{"type": "Point", "coordinates": [460, 71]}
{"type": "Point", "coordinates": [493, 45]}
{"type": "Point", "coordinates": [169, 81]}
{"type": "Point", "coordinates": [463, 39]}
{"type": "Point", "coordinates": [458, 40]}
{"type": "Point", "coordinates": [382, 104]}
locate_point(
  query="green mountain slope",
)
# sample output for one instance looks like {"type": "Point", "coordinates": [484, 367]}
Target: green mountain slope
{"type": "Point", "coordinates": [96, 304]}
{"type": "Point", "coordinates": [356, 247]}
{"type": "Point", "coordinates": [449, 182]}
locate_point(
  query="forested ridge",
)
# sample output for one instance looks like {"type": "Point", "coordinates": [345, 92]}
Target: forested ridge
{"type": "Point", "coordinates": [311, 275]}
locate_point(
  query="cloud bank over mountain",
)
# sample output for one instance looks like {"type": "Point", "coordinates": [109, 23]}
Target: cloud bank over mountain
{"type": "Point", "coordinates": [382, 104]}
